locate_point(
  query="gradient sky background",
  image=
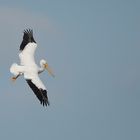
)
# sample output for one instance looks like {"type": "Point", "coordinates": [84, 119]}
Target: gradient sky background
{"type": "Point", "coordinates": [93, 47]}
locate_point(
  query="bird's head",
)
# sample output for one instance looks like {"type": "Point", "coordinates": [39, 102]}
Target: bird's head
{"type": "Point", "coordinates": [45, 65]}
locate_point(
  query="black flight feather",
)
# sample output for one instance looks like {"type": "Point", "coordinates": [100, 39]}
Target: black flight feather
{"type": "Point", "coordinates": [27, 37]}
{"type": "Point", "coordinates": [40, 93]}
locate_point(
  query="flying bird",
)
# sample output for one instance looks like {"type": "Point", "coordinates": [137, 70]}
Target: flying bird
{"type": "Point", "coordinates": [29, 69]}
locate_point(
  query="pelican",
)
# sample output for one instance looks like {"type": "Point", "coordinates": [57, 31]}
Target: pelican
{"type": "Point", "coordinates": [29, 69]}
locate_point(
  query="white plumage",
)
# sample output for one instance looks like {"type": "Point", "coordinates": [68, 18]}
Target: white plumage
{"type": "Point", "coordinates": [29, 68]}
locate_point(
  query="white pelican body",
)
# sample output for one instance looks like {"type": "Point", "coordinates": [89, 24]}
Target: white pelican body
{"type": "Point", "coordinates": [29, 68]}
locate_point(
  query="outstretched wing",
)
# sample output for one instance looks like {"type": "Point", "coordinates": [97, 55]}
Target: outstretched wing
{"type": "Point", "coordinates": [27, 38]}
{"type": "Point", "coordinates": [27, 48]}
{"type": "Point", "coordinates": [39, 92]}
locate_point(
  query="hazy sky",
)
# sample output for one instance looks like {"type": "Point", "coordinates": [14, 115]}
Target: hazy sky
{"type": "Point", "coordinates": [93, 46]}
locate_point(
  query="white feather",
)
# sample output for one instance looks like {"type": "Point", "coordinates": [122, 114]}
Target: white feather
{"type": "Point", "coordinates": [27, 55]}
{"type": "Point", "coordinates": [28, 66]}
{"type": "Point", "coordinates": [16, 69]}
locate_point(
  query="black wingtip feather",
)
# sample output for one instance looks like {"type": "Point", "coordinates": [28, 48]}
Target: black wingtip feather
{"type": "Point", "coordinates": [27, 37]}
{"type": "Point", "coordinates": [40, 93]}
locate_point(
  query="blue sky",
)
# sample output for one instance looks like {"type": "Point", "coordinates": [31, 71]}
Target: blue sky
{"type": "Point", "coordinates": [93, 47]}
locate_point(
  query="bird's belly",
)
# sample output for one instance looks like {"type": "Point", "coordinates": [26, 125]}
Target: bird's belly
{"type": "Point", "coordinates": [30, 72]}
{"type": "Point", "coordinates": [31, 69]}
